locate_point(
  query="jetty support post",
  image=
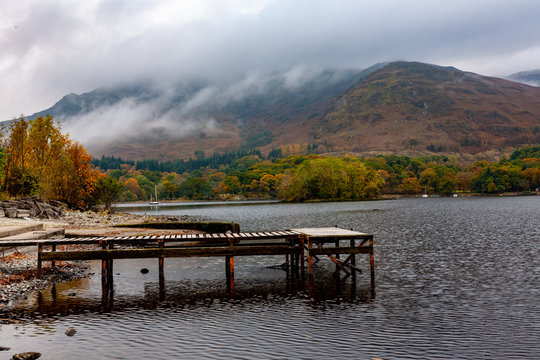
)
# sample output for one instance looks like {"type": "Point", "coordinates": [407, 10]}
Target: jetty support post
{"type": "Point", "coordinates": [161, 244]}
{"type": "Point", "coordinates": [110, 266]}
{"type": "Point", "coordinates": [371, 262]}
{"type": "Point", "coordinates": [337, 257]}
{"type": "Point", "coordinates": [53, 248]}
{"type": "Point", "coordinates": [353, 259]}
{"type": "Point", "coordinates": [229, 270]}
{"type": "Point", "coordinates": [103, 264]}
{"type": "Point", "coordinates": [310, 256]}
{"type": "Point", "coordinates": [302, 256]}
{"type": "Point", "coordinates": [39, 262]}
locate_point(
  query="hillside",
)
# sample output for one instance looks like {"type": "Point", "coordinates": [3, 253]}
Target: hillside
{"type": "Point", "coordinates": [400, 107]}
{"type": "Point", "coordinates": [408, 105]}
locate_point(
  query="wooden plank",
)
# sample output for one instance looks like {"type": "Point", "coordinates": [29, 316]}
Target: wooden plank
{"type": "Point", "coordinates": [341, 250]}
{"type": "Point", "coordinates": [329, 232]}
{"type": "Point", "coordinates": [169, 252]}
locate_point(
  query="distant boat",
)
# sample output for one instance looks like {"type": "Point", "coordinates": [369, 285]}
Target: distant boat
{"type": "Point", "coordinates": [156, 202]}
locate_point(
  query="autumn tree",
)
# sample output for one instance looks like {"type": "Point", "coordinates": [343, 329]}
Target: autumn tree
{"type": "Point", "coordinates": [332, 179]}
{"type": "Point", "coordinates": [45, 141]}
{"type": "Point", "coordinates": [18, 180]}
{"type": "Point", "coordinates": [40, 159]}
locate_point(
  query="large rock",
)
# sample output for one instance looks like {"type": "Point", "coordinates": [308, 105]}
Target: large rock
{"type": "Point", "coordinates": [30, 355]}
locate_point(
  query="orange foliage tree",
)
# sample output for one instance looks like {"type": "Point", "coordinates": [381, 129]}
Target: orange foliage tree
{"type": "Point", "coordinates": [41, 160]}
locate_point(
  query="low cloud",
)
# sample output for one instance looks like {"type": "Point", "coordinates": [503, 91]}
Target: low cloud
{"type": "Point", "coordinates": [175, 111]}
{"type": "Point", "coordinates": [52, 48]}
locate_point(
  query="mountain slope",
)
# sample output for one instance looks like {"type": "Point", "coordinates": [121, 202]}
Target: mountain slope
{"type": "Point", "coordinates": [394, 107]}
{"type": "Point", "coordinates": [412, 105]}
{"type": "Point", "coordinates": [149, 121]}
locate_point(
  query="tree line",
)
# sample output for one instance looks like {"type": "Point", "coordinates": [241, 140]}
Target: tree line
{"type": "Point", "coordinates": [36, 158]}
{"type": "Point", "coordinates": [316, 177]}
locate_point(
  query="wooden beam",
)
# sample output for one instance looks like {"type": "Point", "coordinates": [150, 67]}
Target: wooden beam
{"type": "Point", "coordinates": [341, 250]}
{"type": "Point", "coordinates": [170, 252]}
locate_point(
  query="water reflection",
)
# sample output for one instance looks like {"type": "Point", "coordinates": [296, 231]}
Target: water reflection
{"type": "Point", "coordinates": [62, 300]}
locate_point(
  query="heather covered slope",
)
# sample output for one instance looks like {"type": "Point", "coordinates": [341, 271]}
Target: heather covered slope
{"type": "Point", "coordinates": [425, 107]}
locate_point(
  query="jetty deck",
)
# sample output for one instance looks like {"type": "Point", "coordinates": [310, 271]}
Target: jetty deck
{"type": "Point", "coordinates": [295, 244]}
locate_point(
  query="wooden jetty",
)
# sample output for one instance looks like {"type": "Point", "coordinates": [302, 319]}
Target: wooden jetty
{"type": "Point", "coordinates": [295, 244]}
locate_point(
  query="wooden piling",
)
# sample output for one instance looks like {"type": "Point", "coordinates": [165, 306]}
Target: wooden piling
{"type": "Point", "coordinates": [161, 244]}
{"type": "Point", "coordinates": [53, 248]}
{"type": "Point", "coordinates": [302, 257]}
{"type": "Point", "coordinates": [229, 270]}
{"type": "Point", "coordinates": [310, 257]}
{"type": "Point", "coordinates": [39, 261]}
{"type": "Point", "coordinates": [353, 258]}
{"type": "Point", "coordinates": [103, 263]}
{"type": "Point", "coordinates": [371, 262]}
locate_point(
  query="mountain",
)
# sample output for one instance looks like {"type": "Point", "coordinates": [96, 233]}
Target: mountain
{"type": "Point", "coordinates": [426, 107]}
{"type": "Point", "coordinates": [399, 107]}
{"type": "Point", "coordinates": [527, 77]}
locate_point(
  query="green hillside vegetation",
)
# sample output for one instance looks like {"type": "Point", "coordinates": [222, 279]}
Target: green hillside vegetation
{"type": "Point", "coordinates": [316, 177]}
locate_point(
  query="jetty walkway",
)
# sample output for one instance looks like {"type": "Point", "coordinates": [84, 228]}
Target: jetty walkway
{"type": "Point", "coordinates": [295, 244]}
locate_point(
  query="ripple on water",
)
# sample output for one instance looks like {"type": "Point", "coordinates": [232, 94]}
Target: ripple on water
{"type": "Point", "coordinates": [456, 278]}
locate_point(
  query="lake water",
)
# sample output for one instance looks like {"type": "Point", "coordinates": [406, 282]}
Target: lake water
{"type": "Point", "coordinates": [455, 278]}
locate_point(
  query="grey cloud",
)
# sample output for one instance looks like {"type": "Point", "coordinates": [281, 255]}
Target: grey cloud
{"type": "Point", "coordinates": [62, 47]}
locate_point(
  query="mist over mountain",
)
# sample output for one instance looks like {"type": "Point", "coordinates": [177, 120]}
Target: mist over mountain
{"type": "Point", "coordinates": [531, 77]}
{"type": "Point", "coordinates": [392, 107]}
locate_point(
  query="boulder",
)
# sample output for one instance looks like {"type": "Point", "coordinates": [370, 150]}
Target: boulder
{"type": "Point", "coordinates": [31, 355]}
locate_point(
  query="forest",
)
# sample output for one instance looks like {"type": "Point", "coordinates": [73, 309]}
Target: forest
{"type": "Point", "coordinates": [317, 177]}
{"type": "Point", "coordinates": [36, 158]}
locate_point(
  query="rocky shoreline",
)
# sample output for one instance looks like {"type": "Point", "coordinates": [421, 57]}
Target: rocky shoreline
{"type": "Point", "coordinates": [18, 275]}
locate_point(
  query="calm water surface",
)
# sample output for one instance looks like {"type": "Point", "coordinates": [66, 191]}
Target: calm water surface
{"type": "Point", "coordinates": [455, 278]}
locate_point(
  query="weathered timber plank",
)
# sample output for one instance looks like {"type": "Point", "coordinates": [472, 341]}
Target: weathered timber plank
{"type": "Point", "coordinates": [169, 252]}
{"type": "Point", "coordinates": [341, 250]}
{"type": "Point", "coordinates": [329, 232]}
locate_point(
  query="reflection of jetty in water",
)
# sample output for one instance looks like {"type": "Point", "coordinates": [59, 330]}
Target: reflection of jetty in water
{"type": "Point", "coordinates": [326, 289]}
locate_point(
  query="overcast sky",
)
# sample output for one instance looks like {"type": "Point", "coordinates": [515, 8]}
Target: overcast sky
{"type": "Point", "coordinates": [51, 48]}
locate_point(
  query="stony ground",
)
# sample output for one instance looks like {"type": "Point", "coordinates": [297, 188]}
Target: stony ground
{"type": "Point", "coordinates": [18, 266]}
{"type": "Point", "coordinates": [18, 276]}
